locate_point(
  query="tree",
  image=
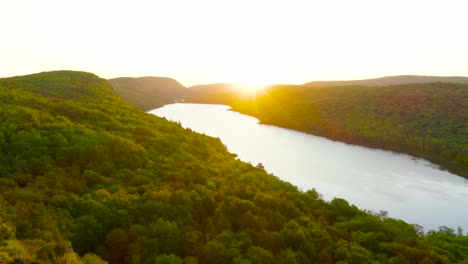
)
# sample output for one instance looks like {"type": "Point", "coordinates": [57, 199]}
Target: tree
{"type": "Point", "coordinates": [117, 246]}
{"type": "Point", "coordinates": [168, 259]}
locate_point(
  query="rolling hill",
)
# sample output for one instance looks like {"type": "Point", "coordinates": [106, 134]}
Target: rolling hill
{"type": "Point", "coordinates": [88, 178]}
{"type": "Point", "coordinates": [148, 92]}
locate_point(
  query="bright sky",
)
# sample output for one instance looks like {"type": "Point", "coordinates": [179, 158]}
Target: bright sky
{"type": "Point", "coordinates": [254, 42]}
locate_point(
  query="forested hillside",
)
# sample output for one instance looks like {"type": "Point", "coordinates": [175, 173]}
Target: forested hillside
{"type": "Point", "coordinates": [148, 92]}
{"type": "Point", "coordinates": [428, 120]}
{"type": "Point", "coordinates": [87, 178]}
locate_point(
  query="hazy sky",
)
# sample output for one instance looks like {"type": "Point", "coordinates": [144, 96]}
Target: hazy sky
{"type": "Point", "coordinates": [252, 42]}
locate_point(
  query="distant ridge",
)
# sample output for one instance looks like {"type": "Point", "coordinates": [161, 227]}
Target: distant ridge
{"type": "Point", "coordinates": [214, 87]}
{"type": "Point", "coordinates": [148, 92]}
{"type": "Point", "coordinates": [392, 80]}
{"type": "Point", "coordinates": [217, 93]}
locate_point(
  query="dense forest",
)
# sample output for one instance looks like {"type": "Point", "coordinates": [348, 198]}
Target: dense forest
{"type": "Point", "coordinates": [88, 178]}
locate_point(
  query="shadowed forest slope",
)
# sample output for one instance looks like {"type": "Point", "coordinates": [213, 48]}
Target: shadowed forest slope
{"type": "Point", "coordinates": [148, 92]}
{"type": "Point", "coordinates": [88, 178]}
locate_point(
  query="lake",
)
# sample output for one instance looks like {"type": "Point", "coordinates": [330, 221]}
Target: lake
{"type": "Point", "coordinates": [408, 188]}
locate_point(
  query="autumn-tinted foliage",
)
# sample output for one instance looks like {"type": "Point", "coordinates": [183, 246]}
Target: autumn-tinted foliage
{"type": "Point", "coordinates": [87, 178]}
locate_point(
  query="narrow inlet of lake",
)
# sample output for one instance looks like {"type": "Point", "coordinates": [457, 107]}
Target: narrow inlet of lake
{"type": "Point", "coordinates": [408, 188]}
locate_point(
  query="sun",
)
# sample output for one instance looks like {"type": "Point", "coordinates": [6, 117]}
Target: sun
{"type": "Point", "coordinates": [249, 90]}
{"type": "Point", "coordinates": [252, 85]}
{"type": "Point", "coordinates": [250, 81]}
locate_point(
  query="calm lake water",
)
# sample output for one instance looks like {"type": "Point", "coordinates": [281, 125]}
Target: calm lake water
{"type": "Point", "coordinates": [408, 188]}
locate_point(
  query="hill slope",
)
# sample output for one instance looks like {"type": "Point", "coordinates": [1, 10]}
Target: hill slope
{"type": "Point", "coordinates": [148, 92]}
{"type": "Point", "coordinates": [392, 80]}
{"type": "Point", "coordinates": [82, 171]}
{"type": "Point", "coordinates": [428, 120]}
